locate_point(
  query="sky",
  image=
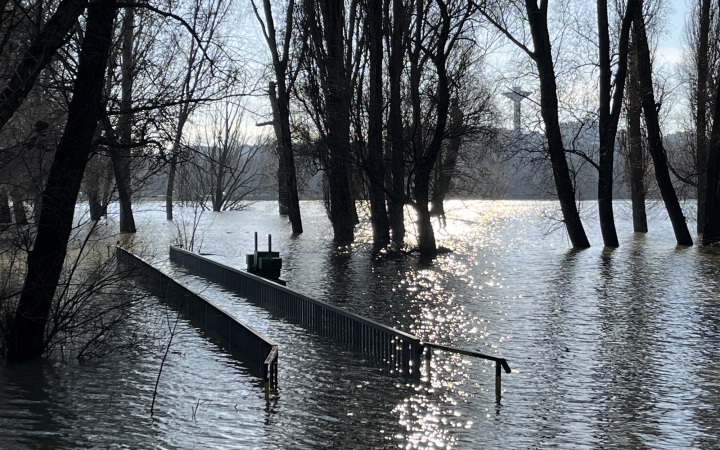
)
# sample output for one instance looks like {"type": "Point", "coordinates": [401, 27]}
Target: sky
{"type": "Point", "coordinates": [669, 55]}
{"type": "Point", "coordinates": [671, 45]}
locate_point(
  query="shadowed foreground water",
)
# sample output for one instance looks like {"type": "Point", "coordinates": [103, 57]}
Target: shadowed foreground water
{"type": "Point", "coordinates": [609, 348]}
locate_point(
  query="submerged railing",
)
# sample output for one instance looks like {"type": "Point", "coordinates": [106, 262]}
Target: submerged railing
{"type": "Point", "coordinates": [500, 363]}
{"type": "Point", "coordinates": [402, 351]}
{"type": "Point", "coordinates": [255, 348]}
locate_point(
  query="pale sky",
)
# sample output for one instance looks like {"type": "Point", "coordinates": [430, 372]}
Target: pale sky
{"type": "Point", "coordinates": [671, 45]}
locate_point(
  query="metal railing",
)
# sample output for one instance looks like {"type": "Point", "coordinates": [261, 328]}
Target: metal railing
{"type": "Point", "coordinates": [259, 351]}
{"type": "Point", "coordinates": [398, 350]}
{"type": "Point", "coordinates": [500, 363]}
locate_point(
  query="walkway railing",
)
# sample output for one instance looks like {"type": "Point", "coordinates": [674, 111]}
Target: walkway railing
{"type": "Point", "coordinates": [500, 363]}
{"type": "Point", "coordinates": [398, 350]}
{"type": "Point", "coordinates": [257, 349]}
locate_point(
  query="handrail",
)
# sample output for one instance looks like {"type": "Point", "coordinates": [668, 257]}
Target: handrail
{"type": "Point", "coordinates": [270, 370]}
{"type": "Point", "coordinates": [253, 345]}
{"type": "Point", "coordinates": [502, 361]}
{"type": "Point", "coordinates": [499, 362]}
{"type": "Point", "coordinates": [368, 338]}
{"type": "Point", "coordinates": [282, 288]}
{"type": "Point", "coordinates": [399, 349]}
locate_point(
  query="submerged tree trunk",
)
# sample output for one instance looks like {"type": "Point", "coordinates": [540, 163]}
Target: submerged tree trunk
{"type": "Point", "coordinates": [335, 85]}
{"type": "Point", "coordinates": [19, 209]}
{"type": "Point", "coordinates": [396, 201]}
{"type": "Point", "coordinates": [5, 214]}
{"type": "Point", "coordinates": [97, 185]}
{"type": "Point", "coordinates": [121, 158]}
{"type": "Point", "coordinates": [543, 58]}
{"type": "Point", "coordinates": [636, 157]}
{"type": "Point", "coordinates": [121, 170]}
{"type": "Point", "coordinates": [701, 96]}
{"type": "Point", "coordinates": [609, 111]}
{"type": "Point", "coordinates": [711, 229]}
{"type": "Point", "coordinates": [170, 188]}
{"type": "Point", "coordinates": [448, 163]}
{"type": "Point", "coordinates": [95, 205]}
{"type": "Point", "coordinates": [376, 168]}
{"type": "Point", "coordinates": [26, 332]}
{"type": "Point", "coordinates": [281, 112]}
{"type": "Point", "coordinates": [655, 145]}
{"type": "Point", "coordinates": [342, 202]}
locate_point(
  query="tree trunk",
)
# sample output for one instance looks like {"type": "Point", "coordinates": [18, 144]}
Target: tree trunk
{"type": "Point", "coordinates": [282, 127]}
{"type": "Point", "coordinates": [95, 204]}
{"type": "Point", "coordinates": [636, 155]}
{"type": "Point", "coordinates": [650, 108]}
{"type": "Point", "coordinates": [5, 214]}
{"type": "Point", "coordinates": [289, 158]}
{"type": "Point", "coordinates": [337, 120]}
{"type": "Point", "coordinates": [376, 167]}
{"type": "Point", "coordinates": [26, 335]}
{"type": "Point", "coordinates": [711, 230]}
{"type": "Point", "coordinates": [549, 109]}
{"type": "Point", "coordinates": [701, 96]}
{"type": "Point", "coordinates": [172, 171]}
{"type": "Point", "coordinates": [91, 187]}
{"type": "Point", "coordinates": [426, 162]}
{"type": "Point", "coordinates": [121, 170]}
{"type": "Point", "coordinates": [448, 163]}
{"type": "Point", "coordinates": [283, 197]}
{"type": "Point", "coordinates": [19, 209]}
{"type": "Point", "coordinates": [609, 111]}
{"type": "Point", "coordinates": [395, 125]}
{"type": "Point", "coordinates": [121, 156]}
{"type": "Point", "coordinates": [170, 187]}
{"type": "Point", "coordinates": [218, 197]}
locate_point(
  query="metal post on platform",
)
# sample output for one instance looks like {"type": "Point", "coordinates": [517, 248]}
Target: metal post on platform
{"type": "Point", "coordinates": [256, 241]}
{"type": "Point", "coordinates": [269, 242]}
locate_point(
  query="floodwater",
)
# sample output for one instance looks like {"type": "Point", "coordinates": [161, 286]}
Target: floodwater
{"type": "Point", "coordinates": [609, 348]}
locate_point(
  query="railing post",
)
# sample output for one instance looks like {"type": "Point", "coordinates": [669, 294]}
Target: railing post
{"type": "Point", "coordinates": [266, 380]}
{"type": "Point", "coordinates": [428, 356]}
{"type": "Point", "coordinates": [405, 346]}
{"type": "Point", "coordinates": [498, 381]}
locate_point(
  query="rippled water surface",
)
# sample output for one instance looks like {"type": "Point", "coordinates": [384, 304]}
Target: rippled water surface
{"type": "Point", "coordinates": [609, 348]}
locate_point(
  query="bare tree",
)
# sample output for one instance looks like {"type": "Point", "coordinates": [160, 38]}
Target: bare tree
{"type": "Point", "coordinates": [609, 111]}
{"type": "Point", "coordinates": [26, 335]}
{"type": "Point", "coordinates": [636, 157]}
{"type": "Point", "coordinates": [536, 17]}
{"type": "Point", "coordinates": [398, 31]}
{"type": "Point", "coordinates": [226, 167]}
{"type": "Point", "coordinates": [199, 78]}
{"type": "Point", "coordinates": [279, 99]}
{"type": "Point", "coordinates": [650, 109]}
{"type": "Point", "coordinates": [332, 59]}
